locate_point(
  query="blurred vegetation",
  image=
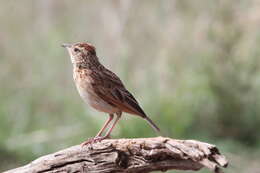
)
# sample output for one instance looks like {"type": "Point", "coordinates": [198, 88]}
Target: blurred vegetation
{"type": "Point", "coordinates": [193, 66]}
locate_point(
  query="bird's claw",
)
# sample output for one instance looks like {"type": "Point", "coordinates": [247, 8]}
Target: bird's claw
{"type": "Point", "coordinates": [93, 140]}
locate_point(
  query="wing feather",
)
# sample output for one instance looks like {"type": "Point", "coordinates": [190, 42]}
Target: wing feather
{"type": "Point", "coordinates": [113, 91]}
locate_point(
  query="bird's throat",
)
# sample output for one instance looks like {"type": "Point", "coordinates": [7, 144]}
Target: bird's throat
{"type": "Point", "coordinates": [82, 65]}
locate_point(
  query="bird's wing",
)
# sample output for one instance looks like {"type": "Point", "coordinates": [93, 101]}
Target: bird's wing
{"type": "Point", "coordinates": [112, 91]}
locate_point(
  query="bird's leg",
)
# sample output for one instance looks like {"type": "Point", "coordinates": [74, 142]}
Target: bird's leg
{"type": "Point", "coordinates": [111, 116]}
{"type": "Point", "coordinates": [112, 127]}
{"type": "Point", "coordinates": [98, 136]}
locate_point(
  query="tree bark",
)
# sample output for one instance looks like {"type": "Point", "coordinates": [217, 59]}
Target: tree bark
{"type": "Point", "coordinates": [130, 155]}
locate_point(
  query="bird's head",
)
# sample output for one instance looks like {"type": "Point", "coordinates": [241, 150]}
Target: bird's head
{"type": "Point", "coordinates": [81, 52]}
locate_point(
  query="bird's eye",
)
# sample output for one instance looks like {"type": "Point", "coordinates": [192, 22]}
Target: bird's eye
{"type": "Point", "coordinates": [76, 50]}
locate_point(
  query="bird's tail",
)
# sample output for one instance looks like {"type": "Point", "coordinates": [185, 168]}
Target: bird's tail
{"type": "Point", "coordinates": [152, 124]}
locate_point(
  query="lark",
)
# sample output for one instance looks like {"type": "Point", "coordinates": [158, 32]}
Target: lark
{"type": "Point", "coordinates": [102, 89]}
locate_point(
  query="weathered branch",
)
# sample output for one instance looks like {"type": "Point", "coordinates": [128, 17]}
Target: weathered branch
{"type": "Point", "coordinates": [130, 155]}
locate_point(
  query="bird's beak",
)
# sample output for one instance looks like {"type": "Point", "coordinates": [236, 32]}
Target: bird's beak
{"type": "Point", "coordinates": [66, 45]}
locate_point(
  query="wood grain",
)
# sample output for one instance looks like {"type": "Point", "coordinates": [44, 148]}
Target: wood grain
{"type": "Point", "coordinates": [130, 155]}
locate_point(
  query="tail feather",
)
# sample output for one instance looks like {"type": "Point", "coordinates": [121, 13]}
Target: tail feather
{"type": "Point", "coordinates": [152, 124]}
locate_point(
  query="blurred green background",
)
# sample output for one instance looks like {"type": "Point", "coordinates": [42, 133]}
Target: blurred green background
{"type": "Point", "coordinates": [193, 66]}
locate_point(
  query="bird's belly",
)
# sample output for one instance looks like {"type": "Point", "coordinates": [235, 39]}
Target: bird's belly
{"type": "Point", "coordinates": [96, 102]}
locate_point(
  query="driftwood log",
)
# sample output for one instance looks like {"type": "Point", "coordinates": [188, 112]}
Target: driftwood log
{"type": "Point", "coordinates": [130, 155]}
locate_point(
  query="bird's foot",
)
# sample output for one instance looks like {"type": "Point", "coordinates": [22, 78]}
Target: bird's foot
{"type": "Point", "coordinates": [94, 140]}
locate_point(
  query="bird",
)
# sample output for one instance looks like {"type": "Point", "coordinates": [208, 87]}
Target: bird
{"type": "Point", "coordinates": [102, 89]}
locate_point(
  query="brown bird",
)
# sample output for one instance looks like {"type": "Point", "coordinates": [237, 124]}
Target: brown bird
{"type": "Point", "coordinates": [101, 88]}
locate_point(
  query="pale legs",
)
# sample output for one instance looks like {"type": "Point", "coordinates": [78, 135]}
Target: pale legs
{"type": "Point", "coordinates": [98, 137]}
{"type": "Point", "coordinates": [111, 116]}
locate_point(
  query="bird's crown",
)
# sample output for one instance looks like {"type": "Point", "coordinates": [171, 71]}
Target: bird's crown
{"type": "Point", "coordinates": [87, 46]}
